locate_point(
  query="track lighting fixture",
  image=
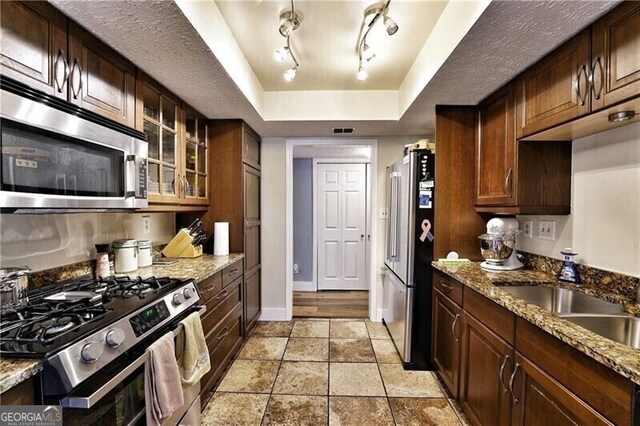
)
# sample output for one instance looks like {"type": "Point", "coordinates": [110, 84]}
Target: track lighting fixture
{"type": "Point", "coordinates": [289, 22]}
{"type": "Point", "coordinates": [281, 54]}
{"type": "Point", "coordinates": [371, 15]}
{"type": "Point", "coordinates": [290, 74]}
{"type": "Point", "coordinates": [362, 74]}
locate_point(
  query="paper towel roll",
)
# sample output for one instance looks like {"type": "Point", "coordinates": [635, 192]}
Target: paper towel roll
{"type": "Point", "coordinates": [221, 238]}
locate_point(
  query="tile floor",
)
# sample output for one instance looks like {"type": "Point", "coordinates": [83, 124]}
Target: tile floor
{"type": "Point", "coordinates": [326, 372]}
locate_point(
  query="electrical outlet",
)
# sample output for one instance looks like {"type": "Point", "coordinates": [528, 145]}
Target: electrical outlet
{"type": "Point", "coordinates": [295, 268]}
{"type": "Point", "coordinates": [146, 224]}
{"type": "Point", "coordinates": [528, 228]}
{"type": "Point", "coordinates": [547, 230]}
{"type": "Point", "coordinates": [384, 213]}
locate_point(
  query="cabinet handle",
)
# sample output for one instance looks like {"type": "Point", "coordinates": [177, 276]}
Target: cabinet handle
{"type": "Point", "coordinates": [508, 183]}
{"type": "Point", "coordinates": [233, 271]}
{"type": "Point", "coordinates": [65, 70]}
{"type": "Point", "coordinates": [208, 290]}
{"type": "Point", "coordinates": [223, 333]}
{"type": "Point", "coordinates": [446, 287]}
{"type": "Point", "coordinates": [581, 96]}
{"type": "Point", "coordinates": [596, 93]}
{"type": "Point", "coordinates": [76, 66]}
{"type": "Point", "coordinates": [176, 189]}
{"type": "Point", "coordinates": [453, 328]}
{"type": "Point", "coordinates": [504, 364]}
{"type": "Point", "coordinates": [185, 186]}
{"type": "Point", "coordinates": [221, 295]}
{"type": "Point", "coordinates": [511, 383]}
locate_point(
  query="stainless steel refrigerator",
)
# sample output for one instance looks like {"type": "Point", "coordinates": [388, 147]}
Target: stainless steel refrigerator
{"type": "Point", "coordinates": [407, 277]}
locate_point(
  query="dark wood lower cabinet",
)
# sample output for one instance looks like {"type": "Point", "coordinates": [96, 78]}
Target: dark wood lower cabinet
{"type": "Point", "coordinates": [223, 342]}
{"type": "Point", "coordinates": [447, 325]}
{"type": "Point", "coordinates": [223, 322]}
{"type": "Point", "coordinates": [252, 301]}
{"type": "Point", "coordinates": [484, 393]}
{"type": "Point", "coordinates": [511, 372]}
{"type": "Point", "coordinates": [22, 394]}
{"type": "Point", "coordinates": [540, 400]}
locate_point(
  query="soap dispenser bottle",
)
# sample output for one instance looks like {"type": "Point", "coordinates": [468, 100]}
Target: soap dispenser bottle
{"type": "Point", "coordinates": [569, 270]}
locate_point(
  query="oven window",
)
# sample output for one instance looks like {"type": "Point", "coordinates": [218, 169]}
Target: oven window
{"type": "Point", "coordinates": [42, 162]}
{"type": "Point", "coordinates": [124, 405]}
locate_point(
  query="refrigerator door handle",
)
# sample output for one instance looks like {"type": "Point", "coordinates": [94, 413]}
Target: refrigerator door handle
{"type": "Point", "coordinates": [393, 219]}
{"type": "Point", "coordinates": [394, 209]}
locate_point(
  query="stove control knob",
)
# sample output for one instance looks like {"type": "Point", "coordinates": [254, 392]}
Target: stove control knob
{"type": "Point", "coordinates": [178, 299]}
{"type": "Point", "coordinates": [115, 337]}
{"type": "Point", "coordinates": [188, 293]}
{"type": "Point", "coordinates": [91, 352]}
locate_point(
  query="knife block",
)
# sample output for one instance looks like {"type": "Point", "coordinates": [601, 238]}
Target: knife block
{"type": "Point", "coordinates": [180, 246]}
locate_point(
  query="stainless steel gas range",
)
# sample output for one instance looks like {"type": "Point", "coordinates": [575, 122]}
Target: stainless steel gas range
{"type": "Point", "coordinates": [92, 336]}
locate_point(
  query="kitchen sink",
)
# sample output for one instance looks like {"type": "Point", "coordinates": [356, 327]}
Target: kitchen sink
{"type": "Point", "coordinates": [562, 301]}
{"type": "Point", "coordinates": [623, 329]}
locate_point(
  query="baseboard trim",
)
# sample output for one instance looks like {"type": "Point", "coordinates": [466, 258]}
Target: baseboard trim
{"type": "Point", "coordinates": [304, 286]}
{"type": "Point", "coordinates": [378, 317]}
{"type": "Point", "coordinates": [273, 314]}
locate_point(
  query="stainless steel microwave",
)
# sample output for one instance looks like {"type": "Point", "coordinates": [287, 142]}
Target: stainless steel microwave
{"type": "Point", "coordinates": [56, 159]}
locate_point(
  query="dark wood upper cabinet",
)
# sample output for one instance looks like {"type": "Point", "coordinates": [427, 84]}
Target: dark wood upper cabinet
{"type": "Point", "coordinates": [251, 148]}
{"type": "Point", "coordinates": [526, 177]}
{"type": "Point", "coordinates": [496, 150]}
{"type": "Point", "coordinates": [556, 89]}
{"type": "Point", "coordinates": [100, 80]}
{"type": "Point", "coordinates": [33, 46]}
{"type": "Point", "coordinates": [615, 65]}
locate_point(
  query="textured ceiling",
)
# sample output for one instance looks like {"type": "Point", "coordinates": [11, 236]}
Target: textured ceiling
{"type": "Point", "coordinates": [508, 37]}
{"type": "Point", "coordinates": [325, 42]}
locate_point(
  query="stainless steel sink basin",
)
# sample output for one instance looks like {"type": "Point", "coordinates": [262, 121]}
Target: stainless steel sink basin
{"type": "Point", "coordinates": [562, 301]}
{"type": "Point", "coordinates": [619, 328]}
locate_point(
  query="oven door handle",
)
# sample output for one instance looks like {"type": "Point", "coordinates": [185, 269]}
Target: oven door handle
{"type": "Point", "coordinates": [91, 400]}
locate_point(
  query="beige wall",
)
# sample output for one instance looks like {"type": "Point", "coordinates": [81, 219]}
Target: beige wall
{"type": "Point", "coordinates": [273, 206]}
{"type": "Point", "coordinates": [273, 232]}
{"type": "Point", "coordinates": [604, 226]}
{"type": "Point", "coordinates": [44, 241]}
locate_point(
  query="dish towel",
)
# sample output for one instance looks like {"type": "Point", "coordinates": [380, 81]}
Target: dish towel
{"type": "Point", "coordinates": [162, 387]}
{"type": "Point", "coordinates": [194, 362]}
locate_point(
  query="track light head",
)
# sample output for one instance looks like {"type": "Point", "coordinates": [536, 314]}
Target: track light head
{"type": "Point", "coordinates": [289, 22]}
{"type": "Point", "coordinates": [281, 54]}
{"type": "Point", "coordinates": [362, 74]}
{"type": "Point", "coordinates": [290, 74]}
{"type": "Point", "coordinates": [390, 25]}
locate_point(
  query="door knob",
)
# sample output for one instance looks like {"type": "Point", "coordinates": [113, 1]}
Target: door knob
{"type": "Point", "coordinates": [361, 237]}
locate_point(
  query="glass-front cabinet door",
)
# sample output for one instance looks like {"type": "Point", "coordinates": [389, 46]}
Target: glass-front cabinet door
{"type": "Point", "coordinates": [160, 116]}
{"type": "Point", "coordinates": [195, 164]}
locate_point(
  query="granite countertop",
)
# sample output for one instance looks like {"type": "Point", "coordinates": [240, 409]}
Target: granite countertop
{"type": "Point", "coordinates": [198, 268]}
{"type": "Point", "coordinates": [621, 358]}
{"type": "Point", "coordinates": [15, 371]}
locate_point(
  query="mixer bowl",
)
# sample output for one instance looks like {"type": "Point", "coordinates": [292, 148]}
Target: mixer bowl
{"type": "Point", "coordinates": [496, 248]}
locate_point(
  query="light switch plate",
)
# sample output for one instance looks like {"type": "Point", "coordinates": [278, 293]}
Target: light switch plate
{"type": "Point", "coordinates": [547, 230]}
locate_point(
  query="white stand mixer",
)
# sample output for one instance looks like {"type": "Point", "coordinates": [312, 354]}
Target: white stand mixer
{"type": "Point", "coordinates": [498, 245]}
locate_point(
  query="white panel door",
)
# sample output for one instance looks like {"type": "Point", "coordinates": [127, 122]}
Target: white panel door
{"type": "Point", "coordinates": [341, 216]}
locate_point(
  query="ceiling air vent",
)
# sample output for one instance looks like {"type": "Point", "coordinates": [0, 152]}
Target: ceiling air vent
{"type": "Point", "coordinates": [340, 130]}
